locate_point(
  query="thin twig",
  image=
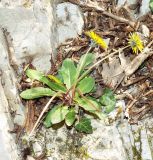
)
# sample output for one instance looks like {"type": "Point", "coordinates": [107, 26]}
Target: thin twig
{"type": "Point", "coordinates": [96, 109]}
{"type": "Point", "coordinates": [136, 80]}
{"type": "Point", "coordinates": [150, 43]}
{"type": "Point", "coordinates": [94, 5]}
{"type": "Point", "coordinates": [149, 92]}
{"type": "Point", "coordinates": [129, 107]}
{"type": "Point", "coordinates": [132, 24]}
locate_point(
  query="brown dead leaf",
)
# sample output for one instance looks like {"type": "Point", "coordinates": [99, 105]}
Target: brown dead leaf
{"type": "Point", "coordinates": [112, 72]}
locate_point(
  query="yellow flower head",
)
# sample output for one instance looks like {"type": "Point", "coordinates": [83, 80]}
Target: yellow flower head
{"type": "Point", "coordinates": [97, 39]}
{"type": "Point", "coordinates": [135, 42]}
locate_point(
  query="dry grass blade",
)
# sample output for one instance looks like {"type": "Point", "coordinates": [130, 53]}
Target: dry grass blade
{"type": "Point", "coordinates": [42, 113]}
{"type": "Point", "coordinates": [100, 61]}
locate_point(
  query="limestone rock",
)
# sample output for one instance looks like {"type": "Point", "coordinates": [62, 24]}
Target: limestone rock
{"type": "Point", "coordinates": [8, 148]}
{"type": "Point", "coordinates": [29, 32]}
{"type": "Point", "coordinates": [144, 9]}
{"type": "Point", "coordinates": [70, 21]}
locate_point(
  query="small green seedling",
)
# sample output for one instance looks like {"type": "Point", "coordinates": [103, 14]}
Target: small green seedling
{"type": "Point", "coordinates": [73, 87]}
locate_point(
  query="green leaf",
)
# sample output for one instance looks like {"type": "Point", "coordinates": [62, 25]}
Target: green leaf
{"type": "Point", "coordinates": [85, 60]}
{"type": "Point", "coordinates": [56, 86]}
{"type": "Point", "coordinates": [84, 126]}
{"type": "Point", "coordinates": [47, 123]}
{"type": "Point", "coordinates": [86, 85]}
{"type": "Point", "coordinates": [56, 115]}
{"type": "Point", "coordinates": [34, 74]}
{"type": "Point", "coordinates": [68, 72]}
{"type": "Point", "coordinates": [108, 100]}
{"type": "Point", "coordinates": [70, 117]}
{"type": "Point", "coordinates": [89, 104]}
{"type": "Point", "coordinates": [36, 93]}
{"type": "Point", "coordinates": [151, 5]}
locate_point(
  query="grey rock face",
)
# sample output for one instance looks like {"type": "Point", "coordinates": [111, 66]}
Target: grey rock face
{"type": "Point", "coordinates": [70, 21]}
{"type": "Point", "coordinates": [8, 148]}
{"type": "Point", "coordinates": [29, 32]}
{"type": "Point", "coordinates": [144, 9]}
{"type": "Point", "coordinates": [34, 31]}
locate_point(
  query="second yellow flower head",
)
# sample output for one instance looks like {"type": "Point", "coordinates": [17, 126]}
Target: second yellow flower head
{"type": "Point", "coordinates": [135, 42]}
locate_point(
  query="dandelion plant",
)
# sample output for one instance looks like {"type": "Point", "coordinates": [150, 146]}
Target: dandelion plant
{"type": "Point", "coordinates": [72, 92]}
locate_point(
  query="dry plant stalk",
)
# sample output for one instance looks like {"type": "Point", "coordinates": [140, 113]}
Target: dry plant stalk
{"type": "Point", "coordinates": [42, 113]}
{"type": "Point", "coordinates": [94, 5]}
